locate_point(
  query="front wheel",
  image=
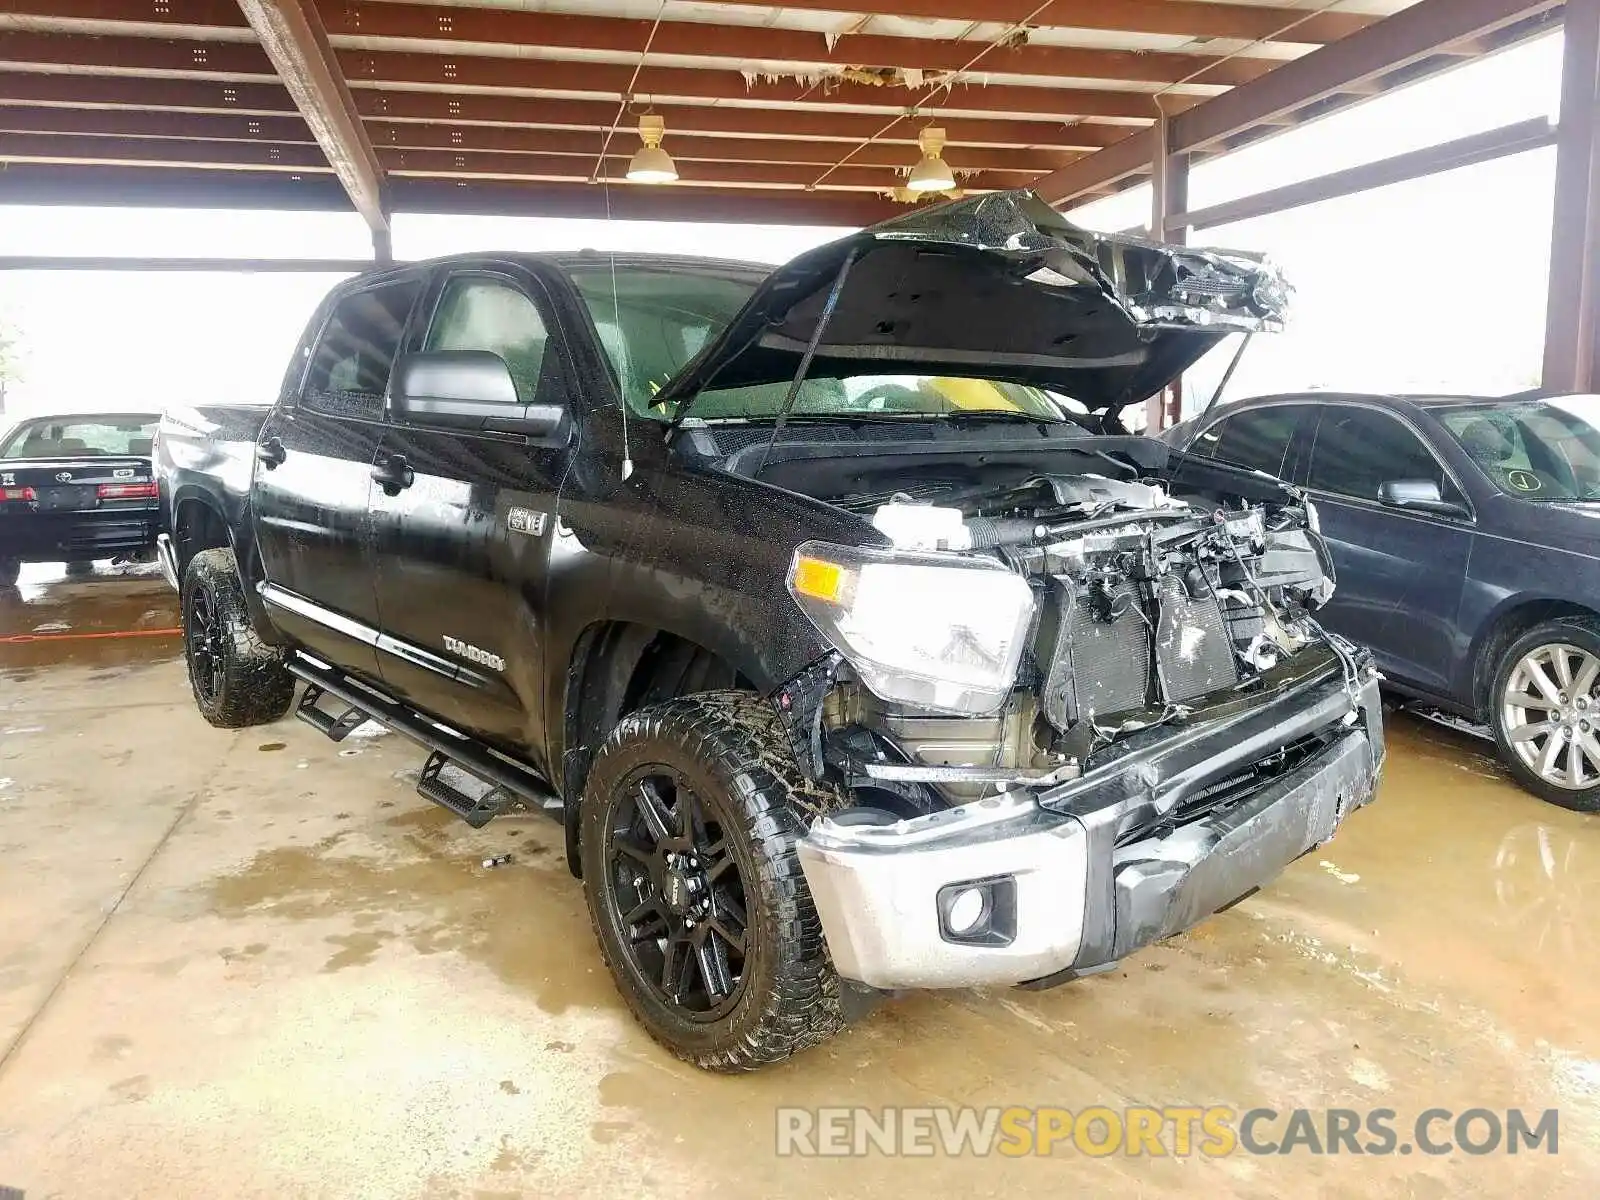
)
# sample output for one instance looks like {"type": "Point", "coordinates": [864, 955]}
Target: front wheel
{"type": "Point", "coordinates": [1546, 712]}
{"type": "Point", "coordinates": [237, 679]}
{"type": "Point", "coordinates": [703, 916]}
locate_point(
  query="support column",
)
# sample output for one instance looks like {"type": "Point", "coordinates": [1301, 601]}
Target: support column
{"type": "Point", "coordinates": [1570, 322]}
{"type": "Point", "coordinates": [1169, 179]}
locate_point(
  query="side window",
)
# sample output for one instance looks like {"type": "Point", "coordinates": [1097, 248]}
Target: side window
{"type": "Point", "coordinates": [350, 367]}
{"type": "Point", "coordinates": [1258, 439]}
{"type": "Point", "coordinates": [1357, 449]}
{"type": "Point", "coordinates": [477, 313]}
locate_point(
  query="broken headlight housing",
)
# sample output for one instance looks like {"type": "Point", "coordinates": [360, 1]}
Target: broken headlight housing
{"type": "Point", "coordinates": [940, 632]}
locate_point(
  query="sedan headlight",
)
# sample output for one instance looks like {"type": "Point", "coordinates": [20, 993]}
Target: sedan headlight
{"type": "Point", "coordinates": [938, 631]}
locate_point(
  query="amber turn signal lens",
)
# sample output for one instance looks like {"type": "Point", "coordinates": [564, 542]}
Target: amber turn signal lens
{"type": "Point", "coordinates": [819, 579]}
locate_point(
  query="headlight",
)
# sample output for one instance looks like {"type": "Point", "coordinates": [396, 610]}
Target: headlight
{"type": "Point", "coordinates": [937, 631]}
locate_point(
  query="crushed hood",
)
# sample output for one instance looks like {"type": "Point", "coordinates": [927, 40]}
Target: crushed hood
{"type": "Point", "coordinates": [999, 286]}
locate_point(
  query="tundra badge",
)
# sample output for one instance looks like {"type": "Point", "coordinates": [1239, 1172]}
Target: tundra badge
{"type": "Point", "coordinates": [472, 654]}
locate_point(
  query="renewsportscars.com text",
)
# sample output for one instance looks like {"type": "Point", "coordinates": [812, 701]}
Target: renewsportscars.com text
{"type": "Point", "coordinates": [1174, 1131]}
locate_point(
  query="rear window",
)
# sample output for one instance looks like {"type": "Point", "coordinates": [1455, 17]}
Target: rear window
{"type": "Point", "coordinates": [77, 437]}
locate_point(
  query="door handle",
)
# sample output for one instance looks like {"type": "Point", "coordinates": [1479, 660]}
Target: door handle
{"type": "Point", "coordinates": [271, 453]}
{"type": "Point", "coordinates": [393, 474]}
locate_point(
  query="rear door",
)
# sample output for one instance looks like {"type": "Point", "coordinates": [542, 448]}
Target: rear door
{"type": "Point", "coordinates": [1400, 572]}
{"type": "Point", "coordinates": [463, 530]}
{"type": "Point", "coordinates": [313, 478]}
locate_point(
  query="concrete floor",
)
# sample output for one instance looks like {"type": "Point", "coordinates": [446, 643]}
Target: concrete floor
{"type": "Point", "coordinates": [258, 964]}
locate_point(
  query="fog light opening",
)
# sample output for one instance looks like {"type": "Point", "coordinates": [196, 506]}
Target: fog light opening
{"type": "Point", "coordinates": [968, 908]}
{"type": "Point", "coordinates": [979, 912]}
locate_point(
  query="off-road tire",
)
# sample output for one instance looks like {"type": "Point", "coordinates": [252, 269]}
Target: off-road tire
{"type": "Point", "coordinates": [80, 568]}
{"type": "Point", "coordinates": [10, 571]}
{"type": "Point", "coordinates": [250, 685]}
{"type": "Point", "coordinates": [731, 749]}
{"type": "Point", "coordinates": [1581, 632]}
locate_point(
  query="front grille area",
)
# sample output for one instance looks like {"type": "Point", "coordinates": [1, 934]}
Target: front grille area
{"type": "Point", "coordinates": [1193, 652]}
{"type": "Point", "coordinates": [1127, 647]}
{"type": "Point", "coordinates": [1099, 666]}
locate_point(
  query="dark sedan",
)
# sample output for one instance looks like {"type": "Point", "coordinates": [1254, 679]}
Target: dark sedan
{"type": "Point", "coordinates": [76, 488]}
{"type": "Point", "coordinates": [1466, 533]}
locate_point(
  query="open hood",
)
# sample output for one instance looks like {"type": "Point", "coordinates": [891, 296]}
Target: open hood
{"type": "Point", "coordinates": [998, 286]}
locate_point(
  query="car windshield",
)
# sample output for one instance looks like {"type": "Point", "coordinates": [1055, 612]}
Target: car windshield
{"type": "Point", "coordinates": [652, 321]}
{"type": "Point", "coordinates": [78, 437]}
{"type": "Point", "coordinates": [1535, 449]}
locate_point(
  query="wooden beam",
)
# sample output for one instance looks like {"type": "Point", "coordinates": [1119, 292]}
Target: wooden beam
{"type": "Point", "coordinates": [1407, 37]}
{"type": "Point", "coordinates": [457, 73]}
{"type": "Point", "coordinates": [43, 183]}
{"type": "Point", "coordinates": [460, 163]}
{"type": "Point", "coordinates": [1181, 18]}
{"type": "Point", "coordinates": [1416, 164]}
{"type": "Point", "coordinates": [581, 143]}
{"type": "Point", "coordinates": [1177, 18]}
{"type": "Point", "coordinates": [292, 36]}
{"type": "Point", "coordinates": [555, 32]}
{"type": "Point", "coordinates": [1572, 309]}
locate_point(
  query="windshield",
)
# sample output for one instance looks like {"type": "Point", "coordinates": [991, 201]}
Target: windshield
{"type": "Point", "coordinates": [1545, 449]}
{"type": "Point", "coordinates": [653, 321]}
{"type": "Point", "coordinates": [78, 437]}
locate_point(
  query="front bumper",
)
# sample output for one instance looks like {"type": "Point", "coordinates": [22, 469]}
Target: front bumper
{"type": "Point", "coordinates": [1079, 885]}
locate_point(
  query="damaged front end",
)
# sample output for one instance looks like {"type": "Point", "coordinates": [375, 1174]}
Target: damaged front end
{"type": "Point", "coordinates": [1080, 697]}
{"type": "Point", "coordinates": [1076, 717]}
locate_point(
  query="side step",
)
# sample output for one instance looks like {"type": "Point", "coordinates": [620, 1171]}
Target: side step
{"type": "Point", "coordinates": [504, 783]}
{"type": "Point", "coordinates": [476, 810]}
{"type": "Point", "coordinates": [336, 729]}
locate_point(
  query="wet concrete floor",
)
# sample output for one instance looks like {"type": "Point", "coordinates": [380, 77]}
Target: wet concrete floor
{"type": "Point", "coordinates": [258, 964]}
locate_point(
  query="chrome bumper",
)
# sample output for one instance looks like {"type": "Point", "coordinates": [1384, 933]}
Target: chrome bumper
{"type": "Point", "coordinates": [168, 559]}
{"type": "Point", "coordinates": [1063, 889]}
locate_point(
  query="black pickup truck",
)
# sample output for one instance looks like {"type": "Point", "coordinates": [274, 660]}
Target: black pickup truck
{"type": "Point", "coordinates": [832, 610]}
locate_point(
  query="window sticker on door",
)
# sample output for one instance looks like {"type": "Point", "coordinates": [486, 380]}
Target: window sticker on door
{"type": "Point", "coordinates": [1524, 481]}
{"type": "Point", "coordinates": [526, 520]}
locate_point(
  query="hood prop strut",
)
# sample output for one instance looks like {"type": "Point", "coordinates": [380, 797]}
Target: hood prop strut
{"type": "Point", "coordinates": [811, 351]}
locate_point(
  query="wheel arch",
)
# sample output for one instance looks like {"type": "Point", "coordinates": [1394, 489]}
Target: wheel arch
{"type": "Point", "coordinates": [1509, 622]}
{"type": "Point", "coordinates": [617, 667]}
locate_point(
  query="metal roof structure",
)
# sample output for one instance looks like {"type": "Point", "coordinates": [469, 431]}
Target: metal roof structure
{"type": "Point", "coordinates": [801, 112]}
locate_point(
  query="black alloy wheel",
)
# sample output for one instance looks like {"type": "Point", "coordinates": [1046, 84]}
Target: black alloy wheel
{"type": "Point", "coordinates": [677, 899]}
{"type": "Point", "coordinates": [237, 679]}
{"type": "Point", "coordinates": [686, 838]}
{"type": "Point", "coordinates": [204, 635]}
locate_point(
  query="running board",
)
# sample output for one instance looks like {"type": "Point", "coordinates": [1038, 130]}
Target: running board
{"type": "Point", "coordinates": [503, 781]}
{"type": "Point", "coordinates": [476, 809]}
{"type": "Point", "coordinates": [334, 728]}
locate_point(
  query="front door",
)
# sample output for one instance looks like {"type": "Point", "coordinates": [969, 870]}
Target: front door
{"type": "Point", "coordinates": [463, 526]}
{"type": "Point", "coordinates": [1400, 572]}
{"type": "Point", "coordinates": [313, 480]}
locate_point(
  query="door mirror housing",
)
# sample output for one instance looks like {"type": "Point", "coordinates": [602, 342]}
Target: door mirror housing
{"type": "Point", "coordinates": [470, 390]}
{"type": "Point", "coordinates": [1418, 495]}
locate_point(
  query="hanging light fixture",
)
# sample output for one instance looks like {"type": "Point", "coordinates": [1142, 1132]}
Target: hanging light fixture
{"type": "Point", "coordinates": [932, 173]}
{"type": "Point", "coordinates": [652, 164]}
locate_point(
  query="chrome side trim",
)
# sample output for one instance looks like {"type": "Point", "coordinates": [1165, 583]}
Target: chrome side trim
{"type": "Point", "coordinates": [293, 602]}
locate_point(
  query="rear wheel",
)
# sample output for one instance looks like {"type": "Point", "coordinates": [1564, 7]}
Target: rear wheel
{"type": "Point", "coordinates": [1546, 712]}
{"type": "Point", "coordinates": [703, 916]}
{"type": "Point", "coordinates": [10, 570]}
{"type": "Point", "coordinates": [237, 678]}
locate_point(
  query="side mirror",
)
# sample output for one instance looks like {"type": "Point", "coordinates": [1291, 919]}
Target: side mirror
{"type": "Point", "coordinates": [469, 390]}
{"type": "Point", "coordinates": [1418, 495]}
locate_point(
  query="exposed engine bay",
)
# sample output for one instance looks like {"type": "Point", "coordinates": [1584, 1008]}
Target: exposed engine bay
{"type": "Point", "coordinates": [1150, 608]}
